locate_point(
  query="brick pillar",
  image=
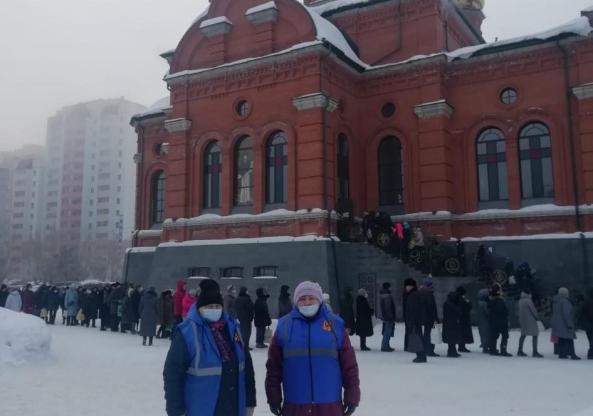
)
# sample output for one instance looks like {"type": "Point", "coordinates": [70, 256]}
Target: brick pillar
{"type": "Point", "coordinates": [584, 143]}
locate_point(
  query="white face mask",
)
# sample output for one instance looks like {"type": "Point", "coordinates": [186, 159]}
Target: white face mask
{"type": "Point", "coordinates": [211, 315]}
{"type": "Point", "coordinates": [309, 311]}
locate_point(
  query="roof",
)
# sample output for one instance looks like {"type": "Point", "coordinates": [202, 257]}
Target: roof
{"type": "Point", "coordinates": [158, 108]}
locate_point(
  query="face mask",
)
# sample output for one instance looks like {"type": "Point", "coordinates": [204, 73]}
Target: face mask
{"type": "Point", "coordinates": [309, 311]}
{"type": "Point", "coordinates": [211, 315]}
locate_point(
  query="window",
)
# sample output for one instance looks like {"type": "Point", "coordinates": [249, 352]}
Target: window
{"type": "Point", "coordinates": [509, 96]}
{"type": "Point", "coordinates": [277, 169]}
{"type": "Point", "coordinates": [232, 272]}
{"type": "Point", "coordinates": [243, 108]}
{"type": "Point", "coordinates": [212, 172]}
{"type": "Point", "coordinates": [492, 166]}
{"type": "Point", "coordinates": [343, 169]}
{"type": "Point", "coordinates": [158, 197]}
{"type": "Point", "coordinates": [388, 110]}
{"type": "Point", "coordinates": [265, 271]}
{"type": "Point", "coordinates": [535, 155]}
{"type": "Point", "coordinates": [244, 172]}
{"type": "Point", "coordinates": [391, 188]}
{"type": "Point", "coordinates": [199, 272]}
{"type": "Point", "coordinates": [104, 211]}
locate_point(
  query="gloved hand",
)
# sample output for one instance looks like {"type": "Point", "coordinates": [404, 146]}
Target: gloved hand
{"type": "Point", "coordinates": [349, 409]}
{"type": "Point", "coordinates": [275, 409]}
{"type": "Point", "coordinates": [249, 411]}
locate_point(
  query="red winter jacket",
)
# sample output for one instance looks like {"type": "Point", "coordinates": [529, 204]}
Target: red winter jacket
{"type": "Point", "coordinates": [186, 303]}
{"type": "Point", "coordinates": [178, 299]}
{"type": "Point", "coordinates": [28, 303]}
{"type": "Point", "coordinates": [350, 383]}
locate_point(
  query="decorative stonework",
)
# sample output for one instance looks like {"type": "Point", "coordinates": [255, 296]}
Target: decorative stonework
{"type": "Point", "coordinates": [216, 26]}
{"type": "Point", "coordinates": [178, 124]}
{"type": "Point", "coordinates": [434, 109]}
{"type": "Point", "coordinates": [263, 13]}
{"type": "Point", "coordinates": [315, 100]}
{"type": "Point", "coordinates": [583, 92]}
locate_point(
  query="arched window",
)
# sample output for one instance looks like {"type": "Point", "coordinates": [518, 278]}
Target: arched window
{"type": "Point", "coordinates": [157, 215]}
{"type": "Point", "coordinates": [277, 169]}
{"type": "Point", "coordinates": [535, 154]}
{"type": "Point", "coordinates": [391, 184]}
{"type": "Point", "coordinates": [244, 172]}
{"type": "Point", "coordinates": [492, 166]}
{"type": "Point", "coordinates": [212, 172]}
{"type": "Point", "coordinates": [343, 170]}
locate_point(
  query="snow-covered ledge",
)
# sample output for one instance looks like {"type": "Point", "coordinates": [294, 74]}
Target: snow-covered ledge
{"type": "Point", "coordinates": [262, 13]}
{"type": "Point", "coordinates": [257, 240]}
{"type": "Point", "coordinates": [178, 124]}
{"type": "Point", "coordinates": [276, 215]}
{"type": "Point", "coordinates": [148, 233]}
{"type": "Point", "coordinates": [315, 100]}
{"type": "Point", "coordinates": [216, 26]}
{"type": "Point", "coordinates": [427, 111]}
{"type": "Point", "coordinates": [584, 91]}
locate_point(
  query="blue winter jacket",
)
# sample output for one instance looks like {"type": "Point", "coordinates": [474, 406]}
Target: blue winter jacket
{"type": "Point", "coordinates": [310, 347]}
{"type": "Point", "coordinates": [194, 369]}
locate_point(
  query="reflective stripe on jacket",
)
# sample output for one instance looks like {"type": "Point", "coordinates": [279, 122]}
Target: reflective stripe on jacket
{"type": "Point", "coordinates": [203, 378]}
{"type": "Point", "coordinates": [310, 348]}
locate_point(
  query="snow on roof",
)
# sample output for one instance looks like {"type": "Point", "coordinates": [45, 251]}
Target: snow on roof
{"type": "Point", "coordinates": [555, 236]}
{"type": "Point", "coordinates": [335, 5]}
{"type": "Point", "coordinates": [232, 241]}
{"type": "Point", "coordinates": [156, 108]}
{"type": "Point", "coordinates": [580, 26]}
{"type": "Point", "coordinates": [215, 21]}
{"type": "Point", "coordinates": [261, 7]}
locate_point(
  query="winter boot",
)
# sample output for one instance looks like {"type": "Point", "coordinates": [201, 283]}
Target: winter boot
{"type": "Point", "coordinates": [420, 358]}
{"type": "Point", "coordinates": [504, 353]}
{"type": "Point", "coordinates": [150, 341]}
{"type": "Point", "coordinates": [144, 341]}
{"type": "Point", "coordinates": [535, 353]}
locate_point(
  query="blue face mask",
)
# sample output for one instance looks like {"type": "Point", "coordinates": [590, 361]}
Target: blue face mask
{"type": "Point", "coordinates": [211, 315]}
{"type": "Point", "coordinates": [309, 311]}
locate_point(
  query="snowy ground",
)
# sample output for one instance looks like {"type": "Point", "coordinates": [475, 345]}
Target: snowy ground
{"type": "Point", "coordinates": [95, 373]}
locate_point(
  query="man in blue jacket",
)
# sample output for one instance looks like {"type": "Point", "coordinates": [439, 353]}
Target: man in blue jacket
{"type": "Point", "coordinates": [208, 370]}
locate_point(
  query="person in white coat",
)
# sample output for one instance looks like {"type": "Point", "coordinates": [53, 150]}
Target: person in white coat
{"type": "Point", "coordinates": [14, 301]}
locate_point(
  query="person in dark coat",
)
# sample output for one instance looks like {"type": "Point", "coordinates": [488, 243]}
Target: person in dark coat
{"type": "Point", "coordinates": [484, 320]}
{"type": "Point", "coordinates": [387, 309]}
{"type": "Point", "coordinates": [284, 302]}
{"type": "Point", "coordinates": [498, 315]}
{"type": "Point", "coordinates": [262, 318]}
{"type": "Point", "coordinates": [63, 304]}
{"type": "Point", "coordinates": [414, 319]}
{"type": "Point", "coordinates": [104, 314]}
{"type": "Point", "coordinates": [53, 304]}
{"type": "Point", "coordinates": [149, 315]}
{"type": "Point", "coordinates": [40, 299]}
{"type": "Point", "coordinates": [166, 319]}
{"type": "Point", "coordinates": [364, 319]}
{"type": "Point", "coordinates": [563, 325]}
{"type": "Point", "coordinates": [178, 301]}
{"type": "Point", "coordinates": [229, 301]}
{"type": "Point", "coordinates": [347, 311]}
{"type": "Point", "coordinates": [587, 321]}
{"type": "Point", "coordinates": [228, 392]}
{"type": "Point", "coordinates": [452, 324]}
{"type": "Point", "coordinates": [90, 306]}
{"type": "Point", "coordinates": [429, 315]}
{"type": "Point", "coordinates": [128, 313]}
{"type": "Point", "coordinates": [135, 305]}
{"type": "Point", "coordinates": [28, 298]}
{"type": "Point", "coordinates": [320, 381]}
{"type": "Point", "coordinates": [466, 334]}
{"type": "Point", "coordinates": [3, 295]}
{"type": "Point", "coordinates": [245, 312]}
{"type": "Point", "coordinates": [118, 293]}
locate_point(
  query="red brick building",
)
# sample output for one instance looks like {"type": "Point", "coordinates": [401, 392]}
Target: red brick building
{"type": "Point", "coordinates": [280, 113]}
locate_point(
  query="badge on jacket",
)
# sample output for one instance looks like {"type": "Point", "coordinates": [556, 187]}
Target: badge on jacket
{"type": "Point", "coordinates": [327, 326]}
{"type": "Point", "coordinates": [238, 337]}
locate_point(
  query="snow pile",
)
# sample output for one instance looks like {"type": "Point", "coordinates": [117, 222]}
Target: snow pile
{"type": "Point", "coordinates": [23, 338]}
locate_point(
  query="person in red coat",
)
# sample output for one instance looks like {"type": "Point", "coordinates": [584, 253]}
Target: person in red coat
{"type": "Point", "coordinates": [311, 367]}
{"type": "Point", "coordinates": [188, 300]}
{"type": "Point", "coordinates": [28, 300]}
{"type": "Point", "coordinates": [178, 302]}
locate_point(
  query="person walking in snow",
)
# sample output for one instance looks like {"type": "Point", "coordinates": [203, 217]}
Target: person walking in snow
{"type": "Point", "coordinates": [53, 303]}
{"type": "Point", "coordinates": [347, 311]}
{"type": "Point", "coordinates": [484, 321]}
{"type": "Point", "coordinates": [387, 310]}
{"type": "Point", "coordinates": [528, 320]}
{"type": "Point", "coordinates": [127, 313]}
{"type": "Point", "coordinates": [208, 370]}
{"type": "Point", "coordinates": [284, 302]}
{"type": "Point", "coordinates": [261, 317]}
{"type": "Point", "coordinates": [301, 380]}
{"type": "Point", "coordinates": [14, 301]}
{"type": "Point", "coordinates": [563, 325]}
{"type": "Point", "coordinates": [245, 312]}
{"type": "Point", "coordinates": [430, 314]}
{"type": "Point", "coordinates": [166, 320]}
{"type": "Point", "coordinates": [104, 314]}
{"type": "Point", "coordinates": [149, 315]}
{"type": "Point", "coordinates": [452, 324]}
{"type": "Point", "coordinates": [364, 319]}
{"type": "Point", "coordinates": [178, 301]}
{"type": "Point", "coordinates": [414, 318]}
{"type": "Point", "coordinates": [229, 301]}
{"type": "Point", "coordinates": [71, 303]}
{"type": "Point", "coordinates": [498, 315]}
{"type": "Point", "coordinates": [28, 298]}
{"type": "Point", "coordinates": [135, 304]}
{"type": "Point", "coordinates": [466, 333]}
{"type": "Point", "coordinates": [3, 295]}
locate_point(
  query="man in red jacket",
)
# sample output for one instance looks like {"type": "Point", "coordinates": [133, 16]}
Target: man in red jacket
{"type": "Point", "coordinates": [312, 368]}
{"type": "Point", "coordinates": [28, 300]}
{"type": "Point", "coordinates": [178, 302]}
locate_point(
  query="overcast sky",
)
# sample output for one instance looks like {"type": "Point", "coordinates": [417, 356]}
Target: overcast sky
{"type": "Point", "coordinates": [60, 52]}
